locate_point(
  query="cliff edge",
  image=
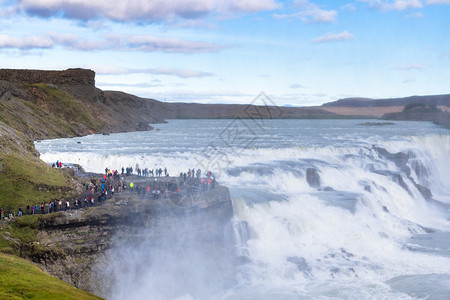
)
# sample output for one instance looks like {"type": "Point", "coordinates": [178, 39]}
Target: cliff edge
{"type": "Point", "coordinates": [79, 246]}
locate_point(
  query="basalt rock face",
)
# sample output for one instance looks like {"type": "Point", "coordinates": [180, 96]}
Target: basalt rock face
{"type": "Point", "coordinates": [70, 76]}
{"type": "Point", "coordinates": [81, 245]}
{"type": "Point", "coordinates": [78, 82]}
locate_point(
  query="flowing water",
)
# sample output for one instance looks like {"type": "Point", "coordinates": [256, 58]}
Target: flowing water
{"type": "Point", "coordinates": [323, 209]}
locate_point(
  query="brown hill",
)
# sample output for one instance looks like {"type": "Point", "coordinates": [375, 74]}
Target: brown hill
{"type": "Point", "coordinates": [437, 100]}
{"type": "Point", "coordinates": [421, 112]}
{"type": "Point", "coordinates": [367, 107]}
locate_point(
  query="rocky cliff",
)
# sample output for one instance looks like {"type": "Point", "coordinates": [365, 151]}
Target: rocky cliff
{"type": "Point", "coordinates": [74, 77]}
{"type": "Point", "coordinates": [80, 83]}
{"type": "Point", "coordinates": [80, 246]}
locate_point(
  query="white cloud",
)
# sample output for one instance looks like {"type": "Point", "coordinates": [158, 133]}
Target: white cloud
{"type": "Point", "coordinates": [310, 13]}
{"type": "Point", "coordinates": [151, 44]}
{"type": "Point", "coordinates": [413, 67]}
{"type": "Point", "coordinates": [334, 37]}
{"type": "Point", "coordinates": [26, 42]}
{"type": "Point", "coordinates": [252, 5]}
{"type": "Point", "coordinates": [182, 73]}
{"type": "Point", "coordinates": [137, 85]}
{"type": "Point", "coordinates": [191, 23]}
{"type": "Point", "coordinates": [190, 96]}
{"type": "Point", "coordinates": [437, 2]}
{"type": "Point", "coordinates": [6, 11]}
{"type": "Point", "coordinates": [296, 86]}
{"type": "Point", "coordinates": [349, 7]}
{"type": "Point", "coordinates": [417, 15]}
{"type": "Point", "coordinates": [144, 43]}
{"type": "Point", "coordinates": [141, 10]}
{"type": "Point", "coordinates": [399, 5]}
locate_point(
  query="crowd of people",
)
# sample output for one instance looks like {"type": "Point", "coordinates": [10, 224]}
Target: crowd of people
{"type": "Point", "coordinates": [145, 172]}
{"type": "Point", "coordinates": [99, 190]}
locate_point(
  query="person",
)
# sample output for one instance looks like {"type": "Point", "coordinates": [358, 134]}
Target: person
{"type": "Point", "coordinates": [28, 209]}
{"type": "Point", "coordinates": [2, 213]}
{"type": "Point", "coordinates": [20, 212]}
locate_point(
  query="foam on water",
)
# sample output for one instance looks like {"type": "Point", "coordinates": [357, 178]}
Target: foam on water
{"type": "Point", "coordinates": [348, 237]}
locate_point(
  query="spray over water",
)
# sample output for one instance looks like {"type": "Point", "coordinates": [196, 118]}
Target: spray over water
{"type": "Point", "coordinates": [319, 212]}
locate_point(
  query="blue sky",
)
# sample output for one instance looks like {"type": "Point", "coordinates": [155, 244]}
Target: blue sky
{"type": "Point", "coordinates": [300, 52]}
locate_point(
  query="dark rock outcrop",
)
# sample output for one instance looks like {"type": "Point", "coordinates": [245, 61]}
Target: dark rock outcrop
{"type": "Point", "coordinates": [78, 82]}
{"type": "Point", "coordinates": [421, 112]}
{"type": "Point", "coordinates": [401, 159]}
{"type": "Point", "coordinates": [312, 177]}
{"type": "Point", "coordinates": [71, 76]}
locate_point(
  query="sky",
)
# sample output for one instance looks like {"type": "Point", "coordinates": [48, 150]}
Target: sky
{"type": "Point", "coordinates": [298, 52]}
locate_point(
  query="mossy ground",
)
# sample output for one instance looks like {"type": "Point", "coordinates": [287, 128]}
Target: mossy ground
{"type": "Point", "coordinates": [30, 181]}
{"type": "Point", "coordinates": [19, 236]}
{"type": "Point", "coordinates": [21, 279]}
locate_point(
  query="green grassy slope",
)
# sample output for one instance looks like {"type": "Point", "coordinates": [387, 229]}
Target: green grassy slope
{"type": "Point", "coordinates": [21, 279]}
{"type": "Point", "coordinates": [27, 113]}
{"type": "Point", "coordinates": [26, 180]}
{"type": "Point", "coordinates": [47, 112]}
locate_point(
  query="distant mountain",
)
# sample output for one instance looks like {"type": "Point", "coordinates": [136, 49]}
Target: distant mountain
{"type": "Point", "coordinates": [437, 100]}
{"type": "Point", "coordinates": [421, 112]}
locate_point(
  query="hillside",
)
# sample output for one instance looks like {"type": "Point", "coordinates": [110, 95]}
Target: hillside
{"type": "Point", "coordinates": [40, 105]}
{"type": "Point", "coordinates": [436, 100]}
{"type": "Point", "coordinates": [421, 112]}
{"type": "Point", "coordinates": [376, 108]}
{"type": "Point", "coordinates": [21, 279]}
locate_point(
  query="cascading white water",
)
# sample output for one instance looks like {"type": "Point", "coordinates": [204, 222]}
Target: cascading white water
{"type": "Point", "coordinates": [362, 224]}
